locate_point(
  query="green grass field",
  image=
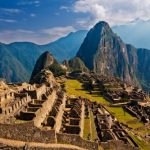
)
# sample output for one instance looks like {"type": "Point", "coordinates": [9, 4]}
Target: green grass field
{"type": "Point", "coordinates": [89, 128]}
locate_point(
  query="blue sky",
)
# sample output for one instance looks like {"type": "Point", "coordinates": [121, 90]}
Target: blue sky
{"type": "Point", "coordinates": [43, 21]}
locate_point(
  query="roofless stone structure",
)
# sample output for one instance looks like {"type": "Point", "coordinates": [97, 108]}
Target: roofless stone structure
{"type": "Point", "coordinates": [42, 116]}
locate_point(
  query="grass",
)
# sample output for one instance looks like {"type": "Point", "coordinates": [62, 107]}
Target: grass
{"type": "Point", "coordinates": [142, 144]}
{"type": "Point", "coordinates": [125, 117]}
{"type": "Point", "coordinates": [21, 121]}
{"type": "Point", "coordinates": [74, 87]}
{"type": "Point", "coordinates": [93, 128]}
{"type": "Point", "coordinates": [89, 128]}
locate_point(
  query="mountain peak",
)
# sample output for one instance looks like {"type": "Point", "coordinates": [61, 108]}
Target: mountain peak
{"type": "Point", "coordinates": [44, 61]}
{"type": "Point", "coordinates": [106, 54]}
{"type": "Point", "coordinates": [46, 53]}
{"type": "Point", "coordinates": [96, 35]}
{"type": "Point", "coordinates": [102, 25]}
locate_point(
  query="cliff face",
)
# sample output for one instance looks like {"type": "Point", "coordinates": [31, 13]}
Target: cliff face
{"type": "Point", "coordinates": [44, 61]}
{"type": "Point", "coordinates": [105, 53]}
{"type": "Point", "coordinates": [143, 68]}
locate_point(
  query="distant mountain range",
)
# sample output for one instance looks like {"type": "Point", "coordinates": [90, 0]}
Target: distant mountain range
{"type": "Point", "coordinates": [18, 59]}
{"type": "Point", "coordinates": [136, 33]}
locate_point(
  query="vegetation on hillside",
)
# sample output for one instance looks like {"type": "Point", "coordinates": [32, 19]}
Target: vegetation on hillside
{"type": "Point", "coordinates": [57, 70]}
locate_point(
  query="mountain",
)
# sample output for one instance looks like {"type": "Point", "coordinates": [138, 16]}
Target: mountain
{"type": "Point", "coordinates": [143, 70]}
{"type": "Point", "coordinates": [66, 47]}
{"type": "Point", "coordinates": [25, 55]}
{"type": "Point", "coordinates": [75, 64]}
{"type": "Point", "coordinates": [10, 68]}
{"type": "Point", "coordinates": [105, 53]}
{"type": "Point", "coordinates": [136, 33]}
{"type": "Point", "coordinates": [45, 62]}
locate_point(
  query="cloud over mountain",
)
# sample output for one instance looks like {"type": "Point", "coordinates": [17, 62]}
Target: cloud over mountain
{"type": "Point", "coordinates": [115, 12]}
{"type": "Point", "coordinates": [48, 35]}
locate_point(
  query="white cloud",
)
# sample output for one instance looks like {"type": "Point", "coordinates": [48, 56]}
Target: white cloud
{"type": "Point", "coordinates": [8, 20]}
{"type": "Point", "coordinates": [65, 8]}
{"type": "Point", "coordinates": [57, 32]}
{"type": "Point", "coordinates": [11, 10]}
{"type": "Point", "coordinates": [30, 2]}
{"type": "Point", "coordinates": [114, 12]}
{"type": "Point", "coordinates": [40, 37]}
{"type": "Point", "coordinates": [33, 15]}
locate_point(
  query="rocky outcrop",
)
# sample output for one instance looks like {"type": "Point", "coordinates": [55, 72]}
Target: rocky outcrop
{"type": "Point", "coordinates": [105, 53]}
{"type": "Point", "coordinates": [75, 64]}
{"type": "Point", "coordinates": [46, 66]}
{"type": "Point", "coordinates": [44, 61]}
{"type": "Point", "coordinates": [45, 76]}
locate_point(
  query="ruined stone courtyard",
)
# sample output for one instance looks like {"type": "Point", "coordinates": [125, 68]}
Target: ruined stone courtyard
{"type": "Point", "coordinates": [43, 116]}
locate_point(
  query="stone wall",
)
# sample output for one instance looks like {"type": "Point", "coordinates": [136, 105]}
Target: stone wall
{"type": "Point", "coordinates": [26, 132]}
{"type": "Point", "coordinates": [117, 145]}
{"type": "Point", "coordinates": [46, 107]}
{"type": "Point", "coordinates": [76, 140]}
{"type": "Point", "coordinates": [60, 114]}
{"type": "Point", "coordinates": [82, 119]}
{"type": "Point", "coordinates": [18, 103]}
{"type": "Point", "coordinates": [41, 90]}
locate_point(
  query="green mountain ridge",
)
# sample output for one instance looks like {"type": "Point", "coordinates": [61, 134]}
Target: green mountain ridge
{"type": "Point", "coordinates": [21, 56]}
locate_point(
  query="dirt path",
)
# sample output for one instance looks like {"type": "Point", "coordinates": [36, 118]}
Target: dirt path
{"type": "Point", "coordinates": [15, 143]}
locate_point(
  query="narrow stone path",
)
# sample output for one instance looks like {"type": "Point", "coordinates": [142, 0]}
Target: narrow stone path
{"type": "Point", "coordinates": [18, 144]}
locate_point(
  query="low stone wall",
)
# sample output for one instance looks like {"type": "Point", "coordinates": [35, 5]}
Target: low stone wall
{"type": "Point", "coordinates": [26, 132]}
{"type": "Point", "coordinates": [46, 107]}
{"type": "Point", "coordinates": [117, 145]}
{"type": "Point", "coordinates": [76, 140]}
{"type": "Point", "coordinates": [18, 103]}
{"type": "Point", "coordinates": [130, 111]}
{"type": "Point", "coordinates": [60, 114]}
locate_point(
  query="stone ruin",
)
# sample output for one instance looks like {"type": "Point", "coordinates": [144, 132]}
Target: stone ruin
{"type": "Point", "coordinates": [140, 110]}
{"type": "Point", "coordinates": [113, 89]}
{"type": "Point", "coordinates": [43, 113]}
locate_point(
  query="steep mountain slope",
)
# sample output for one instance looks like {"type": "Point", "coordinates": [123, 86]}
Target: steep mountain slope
{"type": "Point", "coordinates": [43, 62]}
{"type": "Point", "coordinates": [105, 53]}
{"type": "Point", "coordinates": [46, 62]}
{"type": "Point", "coordinates": [140, 30]}
{"type": "Point", "coordinates": [10, 68]}
{"type": "Point", "coordinates": [26, 53]}
{"type": "Point", "coordinates": [143, 69]}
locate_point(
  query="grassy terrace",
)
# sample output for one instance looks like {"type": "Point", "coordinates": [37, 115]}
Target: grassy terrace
{"type": "Point", "coordinates": [74, 87]}
{"type": "Point", "coordinates": [89, 128]}
{"type": "Point", "coordinates": [141, 143]}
